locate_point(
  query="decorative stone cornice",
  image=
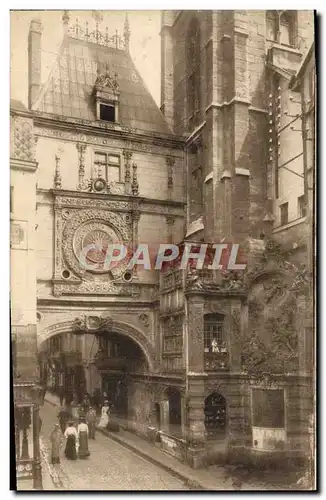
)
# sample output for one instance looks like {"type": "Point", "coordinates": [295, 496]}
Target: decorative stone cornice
{"type": "Point", "coordinates": [27, 166]}
{"type": "Point", "coordinates": [111, 130]}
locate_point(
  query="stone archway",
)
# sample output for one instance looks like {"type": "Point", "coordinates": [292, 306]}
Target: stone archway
{"type": "Point", "coordinates": [118, 327]}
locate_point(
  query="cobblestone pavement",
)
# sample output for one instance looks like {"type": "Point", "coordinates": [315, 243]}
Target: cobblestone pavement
{"type": "Point", "coordinates": [110, 466]}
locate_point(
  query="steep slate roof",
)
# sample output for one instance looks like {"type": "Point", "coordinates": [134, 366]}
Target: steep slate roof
{"type": "Point", "coordinates": [17, 105]}
{"type": "Point", "coordinates": [68, 91]}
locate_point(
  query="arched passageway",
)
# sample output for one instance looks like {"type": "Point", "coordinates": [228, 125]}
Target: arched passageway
{"type": "Point", "coordinates": [101, 363]}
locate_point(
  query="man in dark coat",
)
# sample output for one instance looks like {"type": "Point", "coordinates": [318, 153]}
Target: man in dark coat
{"type": "Point", "coordinates": [63, 417]}
{"type": "Point", "coordinates": [91, 422]}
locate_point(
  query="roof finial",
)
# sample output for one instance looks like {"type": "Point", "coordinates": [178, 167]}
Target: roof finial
{"type": "Point", "coordinates": [65, 20]}
{"type": "Point", "coordinates": [126, 32]}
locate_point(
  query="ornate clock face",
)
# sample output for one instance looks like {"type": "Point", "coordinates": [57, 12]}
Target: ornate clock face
{"type": "Point", "coordinates": [99, 240]}
{"type": "Point", "coordinates": [91, 245]}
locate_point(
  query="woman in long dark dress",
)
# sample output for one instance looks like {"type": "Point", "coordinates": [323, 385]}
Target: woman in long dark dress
{"type": "Point", "coordinates": [56, 437]}
{"type": "Point", "coordinates": [72, 439]}
{"type": "Point", "coordinates": [82, 431]}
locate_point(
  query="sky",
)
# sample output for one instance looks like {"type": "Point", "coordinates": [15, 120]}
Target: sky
{"type": "Point", "coordinates": [144, 43]}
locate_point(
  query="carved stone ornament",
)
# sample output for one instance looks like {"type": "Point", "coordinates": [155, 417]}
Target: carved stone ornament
{"type": "Point", "coordinates": [91, 324]}
{"type": "Point", "coordinates": [108, 80]}
{"type": "Point", "coordinates": [144, 319]}
{"type": "Point", "coordinates": [81, 202]}
{"type": "Point", "coordinates": [100, 185]}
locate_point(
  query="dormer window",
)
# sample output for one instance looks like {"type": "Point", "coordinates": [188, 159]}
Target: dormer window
{"type": "Point", "coordinates": [106, 92]}
{"type": "Point", "coordinates": [107, 112]}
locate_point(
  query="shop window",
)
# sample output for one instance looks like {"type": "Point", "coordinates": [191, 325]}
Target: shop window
{"type": "Point", "coordinates": [213, 333]}
{"type": "Point", "coordinates": [284, 213]}
{"type": "Point", "coordinates": [268, 409]}
{"type": "Point", "coordinates": [215, 415]}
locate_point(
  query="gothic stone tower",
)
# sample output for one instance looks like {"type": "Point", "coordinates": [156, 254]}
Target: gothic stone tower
{"type": "Point", "coordinates": [250, 394]}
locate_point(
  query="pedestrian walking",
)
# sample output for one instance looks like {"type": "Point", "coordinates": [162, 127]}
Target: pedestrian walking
{"type": "Point", "coordinates": [71, 436]}
{"type": "Point", "coordinates": [82, 431]}
{"type": "Point", "coordinates": [75, 409]}
{"type": "Point", "coordinates": [61, 393]}
{"type": "Point", "coordinates": [91, 422]}
{"type": "Point", "coordinates": [104, 415]}
{"type": "Point", "coordinates": [86, 404]}
{"type": "Point", "coordinates": [63, 417]}
{"type": "Point", "coordinates": [56, 439]}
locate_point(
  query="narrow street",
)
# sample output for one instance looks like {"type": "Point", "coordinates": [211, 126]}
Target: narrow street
{"type": "Point", "coordinates": [110, 466]}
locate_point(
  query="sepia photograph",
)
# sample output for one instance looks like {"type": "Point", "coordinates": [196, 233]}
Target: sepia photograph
{"type": "Point", "coordinates": [162, 250]}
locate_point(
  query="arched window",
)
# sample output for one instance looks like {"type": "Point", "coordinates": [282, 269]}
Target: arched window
{"type": "Point", "coordinates": [193, 71]}
{"type": "Point", "coordinates": [215, 415]}
{"type": "Point", "coordinates": [280, 26]}
{"type": "Point", "coordinates": [272, 25]}
{"type": "Point", "coordinates": [287, 26]}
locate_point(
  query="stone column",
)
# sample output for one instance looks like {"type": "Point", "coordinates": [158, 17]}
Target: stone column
{"type": "Point", "coordinates": [195, 333]}
{"type": "Point", "coordinates": [196, 377]}
{"type": "Point", "coordinates": [81, 148]}
{"type": "Point", "coordinates": [127, 170]}
{"type": "Point", "coordinates": [196, 434]}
